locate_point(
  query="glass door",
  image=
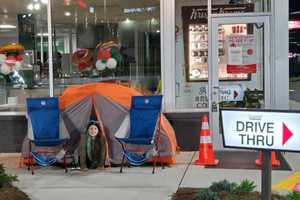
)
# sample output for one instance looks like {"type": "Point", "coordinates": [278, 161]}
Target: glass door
{"type": "Point", "coordinates": [240, 65]}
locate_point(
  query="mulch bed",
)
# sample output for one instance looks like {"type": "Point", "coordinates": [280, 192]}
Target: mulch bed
{"type": "Point", "coordinates": [12, 193]}
{"type": "Point", "coordinates": [190, 193]}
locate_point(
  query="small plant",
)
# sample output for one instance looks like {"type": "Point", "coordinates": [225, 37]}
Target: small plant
{"type": "Point", "coordinates": [206, 195]}
{"type": "Point", "coordinates": [223, 186]}
{"type": "Point", "coordinates": [293, 196]}
{"type": "Point", "coordinates": [6, 179]}
{"type": "Point", "coordinates": [231, 197]}
{"type": "Point", "coordinates": [245, 186]}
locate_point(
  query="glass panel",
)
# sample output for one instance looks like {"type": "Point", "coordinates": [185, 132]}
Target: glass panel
{"type": "Point", "coordinates": [106, 40]}
{"type": "Point", "coordinates": [191, 54]}
{"type": "Point", "coordinates": [240, 6]}
{"type": "Point", "coordinates": [19, 54]}
{"type": "Point", "coordinates": [243, 57]}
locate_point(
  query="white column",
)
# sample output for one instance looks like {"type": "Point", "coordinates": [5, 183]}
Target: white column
{"type": "Point", "coordinates": [167, 35]}
{"type": "Point", "coordinates": [280, 91]}
{"type": "Point", "coordinates": [50, 56]}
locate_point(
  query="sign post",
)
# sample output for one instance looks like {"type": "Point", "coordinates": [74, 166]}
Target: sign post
{"type": "Point", "coordinates": [266, 176]}
{"type": "Point", "coordinates": [264, 130]}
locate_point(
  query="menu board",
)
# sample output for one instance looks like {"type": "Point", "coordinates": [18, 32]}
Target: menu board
{"type": "Point", "coordinates": [195, 33]}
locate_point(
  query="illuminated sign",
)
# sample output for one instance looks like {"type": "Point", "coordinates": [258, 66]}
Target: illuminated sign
{"type": "Point", "coordinates": [139, 10]}
{"type": "Point", "coordinates": [274, 130]}
{"type": "Point", "coordinates": [294, 24]}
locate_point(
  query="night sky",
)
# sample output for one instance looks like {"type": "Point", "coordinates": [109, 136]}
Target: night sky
{"type": "Point", "coordinates": [294, 7]}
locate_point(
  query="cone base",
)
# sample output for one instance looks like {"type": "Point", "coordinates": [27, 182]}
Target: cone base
{"type": "Point", "coordinates": [275, 163]}
{"type": "Point", "coordinates": [207, 163]}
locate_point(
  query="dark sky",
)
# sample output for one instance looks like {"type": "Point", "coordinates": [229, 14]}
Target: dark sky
{"type": "Point", "coordinates": [294, 7]}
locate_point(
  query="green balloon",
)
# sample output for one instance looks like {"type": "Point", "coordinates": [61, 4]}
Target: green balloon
{"type": "Point", "coordinates": [104, 61]}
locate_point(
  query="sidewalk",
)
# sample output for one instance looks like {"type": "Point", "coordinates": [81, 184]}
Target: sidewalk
{"type": "Point", "coordinates": [136, 183]}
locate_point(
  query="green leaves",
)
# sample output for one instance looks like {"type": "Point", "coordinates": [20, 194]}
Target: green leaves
{"type": "Point", "coordinates": [207, 195]}
{"type": "Point", "coordinates": [223, 186]}
{"type": "Point", "coordinates": [245, 186]}
{"type": "Point", "coordinates": [6, 179]}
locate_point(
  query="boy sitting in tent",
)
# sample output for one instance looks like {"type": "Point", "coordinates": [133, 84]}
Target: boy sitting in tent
{"type": "Point", "coordinates": [92, 148]}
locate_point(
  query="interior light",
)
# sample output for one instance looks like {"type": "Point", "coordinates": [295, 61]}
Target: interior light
{"type": "Point", "coordinates": [127, 20]}
{"type": "Point", "coordinates": [7, 26]}
{"type": "Point", "coordinates": [44, 1]}
{"type": "Point", "coordinates": [67, 13]}
{"type": "Point", "coordinates": [37, 6]}
{"type": "Point", "coordinates": [30, 6]}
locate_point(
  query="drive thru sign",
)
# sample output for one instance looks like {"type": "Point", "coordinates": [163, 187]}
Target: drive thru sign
{"type": "Point", "coordinates": [263, 129]}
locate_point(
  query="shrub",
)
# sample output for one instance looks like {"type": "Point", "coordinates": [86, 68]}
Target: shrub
{"type": "Point", "coordinates": [206, 195]}
{"type": "Point", "coordinates": [6, 179]}
{"type": "Point", "coordinates": [245, 186]}
{"type": "Point", "coordinates": [223, 186]}
{"type": "Point", "coordinates": [293, 196]}
{"type": "Point", "coordinates": [231, 197]}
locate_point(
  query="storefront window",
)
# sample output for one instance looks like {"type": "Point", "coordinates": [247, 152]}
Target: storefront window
{"type": "Point", "coordinates": [19, 64]}
{"type": "Point", "coordinates": [105, 41]}
{"type": "Point", "coordinates": [92, 41]}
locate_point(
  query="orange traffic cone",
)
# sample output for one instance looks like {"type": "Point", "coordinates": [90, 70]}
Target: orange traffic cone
{"type": "Point", "coordinates": [275, 162]}
{"type": "Point", "coordinates": [206, 152]}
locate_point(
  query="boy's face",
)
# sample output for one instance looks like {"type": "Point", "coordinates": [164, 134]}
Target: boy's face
{"type": "Point", "coordinates": [93, 131]}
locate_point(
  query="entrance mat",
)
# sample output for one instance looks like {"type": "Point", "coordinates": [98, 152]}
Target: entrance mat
{"type": "Point", "coordinates": [287, 184]}
{"type": "Point", "coordinates": [244, 160]}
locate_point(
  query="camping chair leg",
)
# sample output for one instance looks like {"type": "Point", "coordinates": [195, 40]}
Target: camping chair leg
{"type": "Point", "coordinates": [121, 169]}
{"type": "Point", "coordinates": [65, 164]}
{"type": "Point", "coordinates": [30, 160]}
{"type": "Point", "coordinates": [154, 165]}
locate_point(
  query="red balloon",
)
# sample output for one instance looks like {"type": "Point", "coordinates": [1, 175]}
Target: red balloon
{"type": "Point", "coordinates": [103, 54]}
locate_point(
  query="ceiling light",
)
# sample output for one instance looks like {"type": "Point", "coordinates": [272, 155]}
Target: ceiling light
{"type": "Point", "coordinates": [7, 26]}
{"type": "Point", "coordinates": [30, 6]}
{"type": "Point", "coordinates": [37, 6]}
{"type": "Point", "coordinates": [67, 13]}
{"type": "Point", "coordinates": [44, 1]}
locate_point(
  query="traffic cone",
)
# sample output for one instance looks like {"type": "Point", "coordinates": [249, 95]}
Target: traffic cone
{"type": "Point", "coordinates": [275, 162]}
{"type": "Point", "coordinates": [206, 152]}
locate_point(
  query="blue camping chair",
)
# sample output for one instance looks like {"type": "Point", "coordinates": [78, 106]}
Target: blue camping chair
{"type": "Point", "coordinates": [144, 130]}
{"type": "Point", "coordinates": [43, 114]}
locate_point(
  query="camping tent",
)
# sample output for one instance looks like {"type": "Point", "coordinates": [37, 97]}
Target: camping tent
{"type": "Point", "coordinates": [110, 103]}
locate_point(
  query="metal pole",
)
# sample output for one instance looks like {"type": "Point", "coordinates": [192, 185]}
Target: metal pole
{"type": "Point", "coordinates": [266, 178]}
{"type": "Point", "coordinates": [50, 56]}
{"type": "Point", "coordinates": [42, 46]}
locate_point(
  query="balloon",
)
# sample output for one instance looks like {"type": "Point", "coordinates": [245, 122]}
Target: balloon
{"type": "Point", "coordinates": [115, 53]}
{"type": "Point", "coordinates": [5, 69]}
{"type": "Point", "coordinates": [100, 65]}
{"type": "Point", "coordinates": [112, 63]}
{"type": "Point", "coordinates": [103, 54]}
{"type": "Point", "coordinates": [2, 58]}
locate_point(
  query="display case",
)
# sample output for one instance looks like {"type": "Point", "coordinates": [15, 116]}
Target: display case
{"type": "Point", "coordinates": [195, 33]}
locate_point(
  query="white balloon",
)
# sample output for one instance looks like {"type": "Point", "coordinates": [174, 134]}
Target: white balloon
{"type": "Point", "coordinates": [111, 63]}
{"type": "Point", "coordinates": [100, 65]}
{"type": "Point", "coordinates": [2, 58]}
{"type": "Point", "coordinates": [5, 69]}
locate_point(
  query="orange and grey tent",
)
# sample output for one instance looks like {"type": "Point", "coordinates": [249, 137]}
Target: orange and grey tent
{"type": "Point", "coordinates": [110, 103]}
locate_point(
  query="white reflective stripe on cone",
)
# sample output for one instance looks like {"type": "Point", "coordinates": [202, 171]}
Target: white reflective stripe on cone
{"type": "Point", "coordinates": [205, 140]}
{"type": "Point", "coordinates": [205, 125]}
